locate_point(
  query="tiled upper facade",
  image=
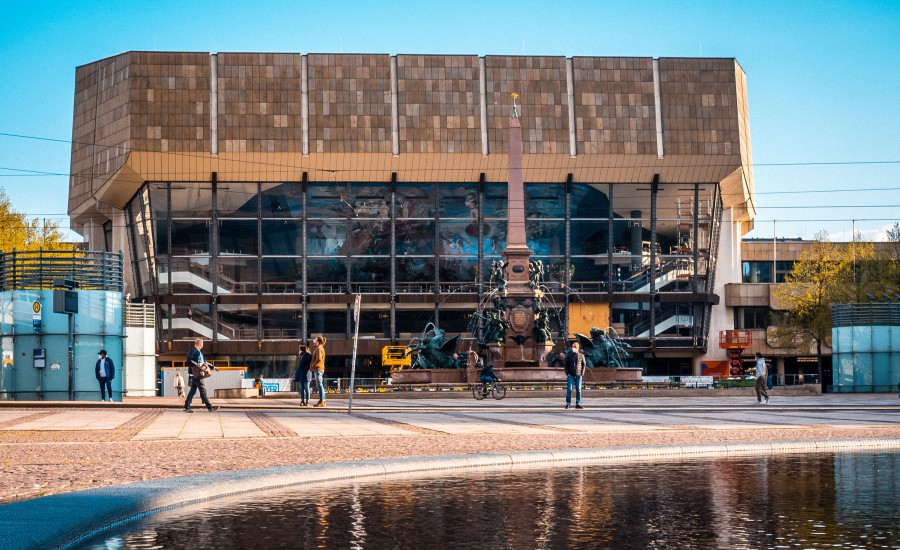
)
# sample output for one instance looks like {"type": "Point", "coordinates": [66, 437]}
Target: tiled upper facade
{"type": "Point", "coordinates": [258, 102]}
{"type": "Point", "coordinates": [349, 103]}
{"type": "Point", "coordinates": [143, 116]}
{"type": "Point", "coordinates": [438, 99]}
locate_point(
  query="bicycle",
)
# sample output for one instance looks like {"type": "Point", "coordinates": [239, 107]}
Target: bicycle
{"type": "Point", "coordinates": [481, 390]}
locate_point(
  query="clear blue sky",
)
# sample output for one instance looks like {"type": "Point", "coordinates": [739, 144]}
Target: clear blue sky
{"type": "Point", "coordinates": [823, 77]}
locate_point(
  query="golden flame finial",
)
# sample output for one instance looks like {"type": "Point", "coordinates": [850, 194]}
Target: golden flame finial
{"type": "Point", "coordinates": [514, 113]}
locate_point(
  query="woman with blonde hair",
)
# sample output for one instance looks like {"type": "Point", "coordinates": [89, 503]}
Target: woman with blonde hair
{"type": "Point", "coordinates": [317, 366]}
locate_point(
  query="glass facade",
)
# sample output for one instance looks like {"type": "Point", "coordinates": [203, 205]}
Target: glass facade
{"type": "Point", "coordinates": [232, 259]}
{"type": "Point", "coordinates": [761, 272]}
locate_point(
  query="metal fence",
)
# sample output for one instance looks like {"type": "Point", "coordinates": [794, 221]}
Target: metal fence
{"type": "Point", "coordinates": [40, 269]}
{"type": "Point", "coordinates": [874, 314]}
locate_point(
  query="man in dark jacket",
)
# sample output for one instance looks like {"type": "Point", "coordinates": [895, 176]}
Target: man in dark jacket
{"type": "Point", "coordinates": [575, 365]}
{"type": "Point", "coordinates": [301, 375]}
{"type": "Point", "coordinates": [194, 359]}
{"type": "Point", "coordinates": [105, 371]}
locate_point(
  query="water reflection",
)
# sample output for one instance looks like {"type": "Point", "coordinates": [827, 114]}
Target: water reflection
{"type": "Point", "coordinates": [803, 500]}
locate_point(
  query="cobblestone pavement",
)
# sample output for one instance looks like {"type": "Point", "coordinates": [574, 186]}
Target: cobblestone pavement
{"type": "Point", "coordinates": [51, 448]}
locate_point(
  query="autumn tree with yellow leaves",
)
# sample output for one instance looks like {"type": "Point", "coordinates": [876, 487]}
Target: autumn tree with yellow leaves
{"type": "Point", "coordinates": [20, 233]}
{"type": "Point", "coordinates": [825, 274]}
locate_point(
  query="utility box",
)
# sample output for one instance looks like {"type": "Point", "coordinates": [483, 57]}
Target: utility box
{"type": "Point", "coordinates": [65, 301]}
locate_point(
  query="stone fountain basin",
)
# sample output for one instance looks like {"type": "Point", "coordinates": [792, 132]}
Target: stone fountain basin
{"type": "Point", "coordinates": [600, 375]}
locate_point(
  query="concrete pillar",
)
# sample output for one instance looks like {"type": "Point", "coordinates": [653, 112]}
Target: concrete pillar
{"type": "Point", "coordinates": [779, 371]}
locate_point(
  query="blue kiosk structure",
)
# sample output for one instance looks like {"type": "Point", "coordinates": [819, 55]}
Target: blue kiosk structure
{"type": "Point", "coordinates": [58, 309]}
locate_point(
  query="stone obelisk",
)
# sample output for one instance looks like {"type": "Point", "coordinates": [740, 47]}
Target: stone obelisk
{"type": "Point", "coordinates": [519, 347]}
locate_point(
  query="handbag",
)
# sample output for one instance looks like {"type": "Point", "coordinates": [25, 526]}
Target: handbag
{"type": "Point", "coordinates": [201, 371]}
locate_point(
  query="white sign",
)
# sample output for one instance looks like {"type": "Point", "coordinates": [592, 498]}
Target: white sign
{"type": "Point", "coordinates": [697, 381]}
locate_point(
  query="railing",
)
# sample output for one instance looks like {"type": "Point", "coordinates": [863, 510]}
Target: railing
{"type": "Point", "coordinates": [874, 314]}
{"type": "Point", "coordinates": [735, 339]}
{"type": "Point", "coordinates": [38, 269]}
{"type": "Point", "coordinates": [140, 315]}
{"type": "Point", "coordinates": [281, 334]}
{"type": "Point", "coordinates": [642, 278]}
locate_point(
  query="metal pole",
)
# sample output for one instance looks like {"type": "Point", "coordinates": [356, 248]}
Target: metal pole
{"type": "Point", "coordinates": [71, 359]}
{"type": "Point", "coordinates": [356, 303]}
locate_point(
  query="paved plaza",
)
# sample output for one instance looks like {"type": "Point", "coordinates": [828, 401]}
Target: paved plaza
{"type": "Point", "coordinates": [59, 447]}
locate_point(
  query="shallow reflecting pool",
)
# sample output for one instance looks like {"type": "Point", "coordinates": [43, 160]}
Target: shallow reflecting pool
{"type": "Point", "coordinates": [841, 500]}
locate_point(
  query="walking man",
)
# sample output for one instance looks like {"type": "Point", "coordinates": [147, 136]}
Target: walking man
{"type": "Point", "coordinates": [317, 366]}
{"type": "Point", "coordinates": [105, 371]}
{"type": "Point", "coordinates": [195, 359]}
{"type": "Point", "coordinates": [575, 365]}
{"type": "Point", "coordinates": [760, 373]}
{"type": "Point", "coordinates": [301, 376]}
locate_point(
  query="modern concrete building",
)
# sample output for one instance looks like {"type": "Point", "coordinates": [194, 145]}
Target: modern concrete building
{"type": "Point", "coordinates": [254, 194]}
{"type": "Point", "coordinates": [754, 306]}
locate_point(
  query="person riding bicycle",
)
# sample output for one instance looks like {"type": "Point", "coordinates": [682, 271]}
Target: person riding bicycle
{"type": "Point", "coordinates": [488, 376]}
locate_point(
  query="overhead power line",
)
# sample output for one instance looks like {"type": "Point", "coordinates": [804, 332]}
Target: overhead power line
{"type": "Point", "coordinates": [612, 166]}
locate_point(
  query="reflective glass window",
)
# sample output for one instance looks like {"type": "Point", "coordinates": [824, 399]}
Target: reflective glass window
{"type": "Point", "coordinates": [415, 237]}
{"type": "Point", "coordinates": [589, 237]}
{"type": "Point", "coordinates": [545, 200]}
{"type": "Point", "coordinates": [239, 321]}
{"type": "Point", "coordinates": [187, 320]}
{"type": "Point", "coordinates": [190, 237]}
{"type": "Point", "coordinates": [281, 200]}
{"type": "Point", "coordinates": [756, 272]}
{"type": "Point", "coordinates": [328, 200]}
{"type": "Point", "coordinates": [495, 200]}
{"type": "Point", "coordinates": [752, 318]}
{"type": "Point", "coordinates": [458, 269]}
{"type": "Point", "coordinates": [588, 269]}
{"type": "Point", "coordinates": [375, 272]}
{"type": "Point", "coordinates": [160, 234]}
{"type": "Point", "coordinates": [238, 274]}
{"type": "Point", "coordinates": [333, 322]}
{"type": "Point", "coordinates": [546, 237]}
{"type": "Point", "coordinates": [589, 200]}
{"type": "Point", "coordinates": [555, 270]}
{"type": "Point", "coordinates": [458, 200]}
{"type": "Point", "coordinates": [326, 270]}
{"type": "Point", "coordinates": [282, 237]}
{"type": "Point", "coordinates": [282, 275]}
{"type": "Point", "coordinates": [281, 322]}
{"type": "Point", "coordinates": [457, 321]}
{"type": "Point", "coordinates": [411, 322]}
{"type": "Point", "coordinates": [190, 275]}
{"type": "Point", "coordinates": [494, 237]}
{"type": "Point", "coordinates": [369, 236]}
{"type": "Point", "coordinates": [238, 237]}
{"type": "Point", "coordinates": [142, 278]}
{"type": "Point", "coordinates": [369, 200]}
{"type": "Point", "coordinates": [413, 269]}
{"type": "Point", "coordinates": [456, 238]}
{"type": "Point", "coordinates": [327, 238]}
{"type": "Point", "coordinates": [159, 199]}
{"type": "Point", "coordinates": [376, 322]}
{"type": "Point", "coordinates": [630, 201]}
{"type": "Point", "coordinates": [191, 200]}
{"type": "Point", "coordinates": [415, 200]}
{"type": "Point", "coordinates": [237, 200]}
